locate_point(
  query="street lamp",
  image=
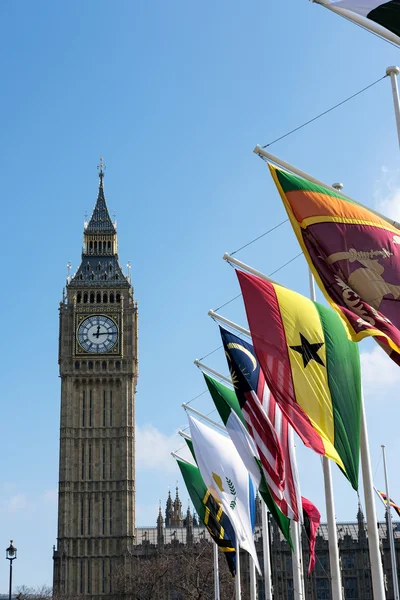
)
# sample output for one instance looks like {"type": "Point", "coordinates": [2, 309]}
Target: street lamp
{"type": "Point", "coordinates": [11, 554]}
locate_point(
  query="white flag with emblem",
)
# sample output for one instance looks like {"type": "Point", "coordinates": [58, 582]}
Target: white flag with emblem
{"type": "Point", "coordinates": [227, 479]}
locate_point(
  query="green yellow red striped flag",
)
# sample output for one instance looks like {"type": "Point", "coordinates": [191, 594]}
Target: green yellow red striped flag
{"type": "Point", "coordinates": [392, 504]}
{"type": "Point", "coordinates": [354, 255]}
{"type": "Point", "coordinates": [311, 368]}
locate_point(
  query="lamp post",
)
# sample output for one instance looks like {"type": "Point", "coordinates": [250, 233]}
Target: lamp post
{"type": "Point", "coordinates": [11, 554]}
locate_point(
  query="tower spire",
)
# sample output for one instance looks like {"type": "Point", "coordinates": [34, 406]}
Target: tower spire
{"type": "Point", "coordinates": [100, 246]}
{"type": "Point", "coordinates": [101, 168]}
{"type": "Point", "coordinates": [100, 222]}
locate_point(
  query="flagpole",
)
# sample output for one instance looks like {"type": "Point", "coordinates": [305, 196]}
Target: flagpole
{"type": "Point", "coordinates": [390, 530]}
{"type": "Point", "coordinates": [392, 72]}
{"type": "Point", "coordinates": [204, 417]}
{"type": "Point", "coordinates": [266, 553]}
{"type": "Point", "coordinates": [296, 562]}
{"type": "Point", "coordinates": [238, 589]}
{"type": "Point", "coordinates": [334, 563]}
{"type": "Point", "coordinates": [288, 167]}
{"type": "Point", "coordinates": [216, 572]}
{"type": "Point", "coordinates": [215, 315]}
{"type": "Point", "coordinates": [378, 586]}
{"type": "Point", "coordinates": [253, 582]}
{"type": "Point", "coordinates": [177, 457]}
{"type": "Point", "coordinates": [204, 367]}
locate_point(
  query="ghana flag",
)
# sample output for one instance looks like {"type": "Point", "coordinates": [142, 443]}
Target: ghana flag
{"type": "Point", "coordinates": [385, 14]}
{"type": "Point", "coordinates": [354, 255]}
{"type": "Point", "coordinates": [311, 368]}
{"type": "Point", "coordinates": [210, 512]}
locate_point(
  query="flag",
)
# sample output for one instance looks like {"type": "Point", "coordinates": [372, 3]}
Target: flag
{"type": "Point", "coordinates": [265, 422]}
{"type": "Point", "coordinates": [385, 14]}
{"type": "Point", "coordinates": [227, 479]}
{"type": "Point", "coordinates": [312, 519]}
{"type": "Point", "coordinates": [392, 504]}
{"type": "Point", "coordinates": [211, 513]}
{"type": "Point", "coordinates": [311, 368]}
{"type": "Point", "coordinates": [354, 255]}
{"type": "Point", "coordinates": [228, 408]}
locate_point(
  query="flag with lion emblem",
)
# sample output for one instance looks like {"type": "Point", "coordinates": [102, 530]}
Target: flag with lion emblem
{"type": "Point", "coordinates": [354, 255]}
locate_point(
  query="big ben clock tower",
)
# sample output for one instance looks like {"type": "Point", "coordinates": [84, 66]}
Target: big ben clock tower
{"type": "Point", "coordinates": [98, 368]}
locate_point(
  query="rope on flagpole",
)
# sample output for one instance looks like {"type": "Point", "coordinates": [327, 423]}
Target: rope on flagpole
{"type": "Point", "coordinates": [325, 112]}
{"type": "Point", "coordinates": [260, 236]}
{"type": "Point", "coordinates": [269, 275]}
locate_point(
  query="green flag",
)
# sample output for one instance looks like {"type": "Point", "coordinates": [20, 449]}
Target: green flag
{"type": "Point", "coordinates": [210, 512]}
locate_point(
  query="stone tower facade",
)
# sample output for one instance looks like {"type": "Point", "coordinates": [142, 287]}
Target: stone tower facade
{"type": "Point", "coordinates": [98, 358]}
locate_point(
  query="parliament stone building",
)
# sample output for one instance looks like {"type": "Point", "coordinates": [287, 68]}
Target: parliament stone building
{"type": "Point", "coordinates": [98, 360]}
{"type": "Point", "coordinates": [176, 528]}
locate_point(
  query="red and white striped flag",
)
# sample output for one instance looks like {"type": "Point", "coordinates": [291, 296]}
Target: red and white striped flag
{"type": "Point", "coordinates": [267, 425]}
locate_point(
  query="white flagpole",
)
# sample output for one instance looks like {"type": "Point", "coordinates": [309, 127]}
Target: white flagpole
{"type": "Point", "coordinates": [266, 553]}
{"type": "Point", "coordinates": [238, 588]}
{"type": "Point", "coordinates": [296, 561]}
{"type": "Point", "coordinates": [390, 531]}
{"type": "Point", "coordinates": [204, 417]}
{"type": "Point", "coordinates": [253, 582]}
{"type": "Point", "coordinates": [336, 579]}
{"type": "Point", "coordinates": [288, 167]}
{"type": "Point", "coordinates": [216, 572]}
{"type": "Point", "coordinates": [378, 586]}
{"type": "Point", "coordinates": [177, 457]}
{"type": "Point", "coordinates": [392, 72]}
{"type": "Point", "coordinates": [204, 367]}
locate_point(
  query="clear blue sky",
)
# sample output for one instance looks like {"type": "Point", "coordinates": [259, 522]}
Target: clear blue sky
{"type": "Point", "coordinates": [174, 96]}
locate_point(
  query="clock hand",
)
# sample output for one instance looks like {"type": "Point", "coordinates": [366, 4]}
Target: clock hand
{"type": "Point", "coordinates": [97, 332]}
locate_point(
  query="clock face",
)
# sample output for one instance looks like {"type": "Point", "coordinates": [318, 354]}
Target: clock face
{"type": "Point", "coordinates": [97, 334]}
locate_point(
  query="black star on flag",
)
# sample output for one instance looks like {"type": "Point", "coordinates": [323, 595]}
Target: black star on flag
{"type": "Point", "coordinates": [308, 351]}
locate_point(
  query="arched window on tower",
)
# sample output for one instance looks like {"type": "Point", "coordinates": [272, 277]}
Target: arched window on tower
{"type": "Point", "coordinates": [112, 298]}
{"type": "Point", "coordinates": [90, 365]}
{"type": "Point", "coordinates": [118, 365]}
{"type": "Point", "coordinates": [91, 297]}
{"type": "Point", "coordinates": [98, 298]}
{"type": "Point", "coordinates": [104, 246]}
{"type": "Point", "coordinates": [77, 365]}
{"type": "Point", "coordinates": [79, 298]}
{"type": "Point", "coordinates": [118, 297]}
{"type": "Point", "coordinates": [91, 247]}
{"type": "Point", "coordinates": [104, 365]}
{"type": "Point", "coordinates": [109, 246]}
{"type": "Point", "coordinates": [85, 298]}
{"type": "Point", "coordinates": [95, 246]}
{"type": "Point", "coordinates": [105, 298]}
